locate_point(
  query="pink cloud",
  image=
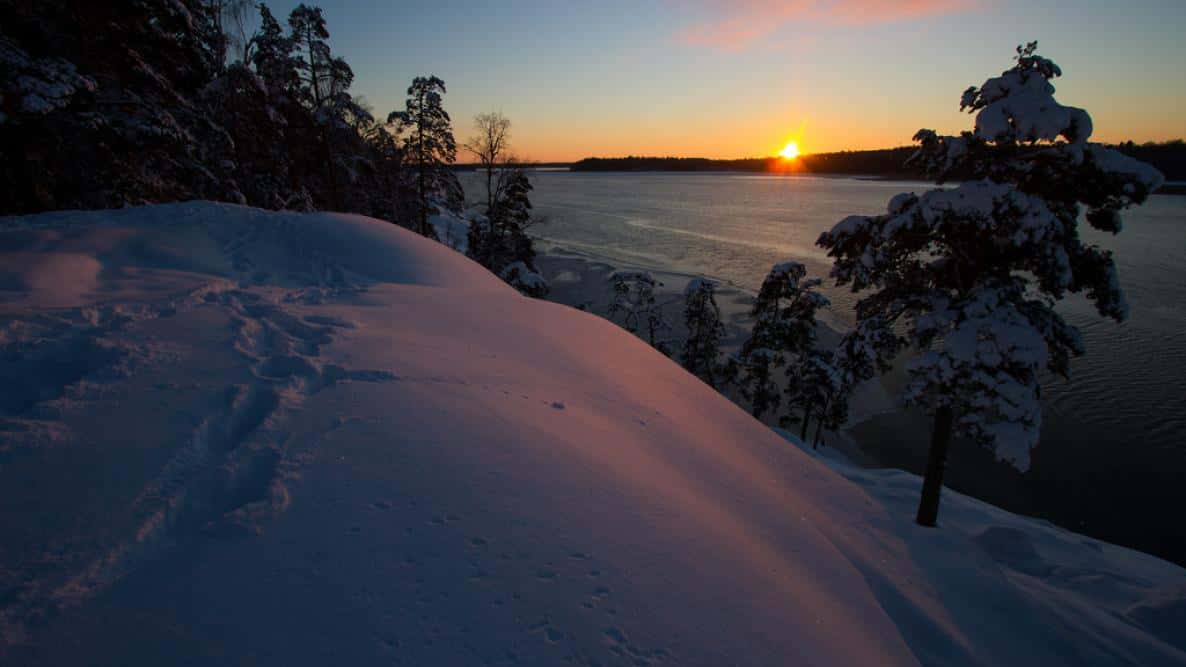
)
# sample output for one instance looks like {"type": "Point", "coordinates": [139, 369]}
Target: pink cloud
{"type": "Point", "coordinates": [732, 25]}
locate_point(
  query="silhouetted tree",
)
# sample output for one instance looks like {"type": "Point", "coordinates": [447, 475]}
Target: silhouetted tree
{"type": "Point", "coordinates": [153, 108]}
{"type": "Point", "coordinates": [783, 332]}
{"type": "Point", "coordinates": [491, 145]}
{"type": "Point", "coordinates": [813, 387]}
{"type": "Point", "coordinates": [429, 147]}
{"type": "Point", "coordinates": [634, 302]}
{"type": "Point", "coordinates": [324, 84]}
{"type": "Point", "coordinates": [702, 317]}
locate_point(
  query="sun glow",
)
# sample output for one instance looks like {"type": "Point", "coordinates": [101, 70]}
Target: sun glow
{"type": "Point", "coordinates": [790, 151]}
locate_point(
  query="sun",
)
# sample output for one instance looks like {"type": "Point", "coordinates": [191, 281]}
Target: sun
{"type": "Point", "coordinates": [790, 151]}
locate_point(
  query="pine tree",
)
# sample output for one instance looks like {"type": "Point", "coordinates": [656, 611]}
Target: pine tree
{"type": "Point", "coordinates": [702, 317]}
{"type": "Point", "coordinates": [783, 332]}
{"type": "Point", "coordinates": [759, 384]}
{"type": "Point", "coordinates": [970, 274]}
{"type": "Point", "coordinates": [255, 100]}
{"type": "Point", "coordinates": [429, 147]}
{"type": "Point", "coordinates": [863, 353]}
{"type": "Point", "coordinates": [814, 388]}
{"type": "Point", "coordinates": [391, 195]}
{"type": "Point", "coordinates": [273, 56]}
{"type": "Point", "coordinates": [324, 84]}
{"type": "Point", "coordinates": [525, 279]}
{"type": "Point", "coordinates": [509, 248]}
{"type": "Point", "coordinates": [123, 102]}
{"type": "Point", "coordinates": [634, 302]}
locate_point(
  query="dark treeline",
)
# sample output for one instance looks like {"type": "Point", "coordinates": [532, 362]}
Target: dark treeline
{"type": "Point", "coordinates": [639, 163]}
{"type": "Point", "coordinates": [116, 104]}
{"type": "Point", "coordinates": [477, 166]}
{"type": "Point", "coordinates": [1168, 157]}
{"type": "Point", "coordinates": [886, 162]}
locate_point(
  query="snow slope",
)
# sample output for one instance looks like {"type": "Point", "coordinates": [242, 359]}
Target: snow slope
{"type": "Point", "coordinates": [230, 436]}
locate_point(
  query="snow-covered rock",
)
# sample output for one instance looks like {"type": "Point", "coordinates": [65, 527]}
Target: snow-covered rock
{"type": "Point", "coordinates": [229, 436]}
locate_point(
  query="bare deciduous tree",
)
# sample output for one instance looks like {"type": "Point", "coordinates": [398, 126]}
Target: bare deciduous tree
{"type": "Point", "coordinates": [491, 144]}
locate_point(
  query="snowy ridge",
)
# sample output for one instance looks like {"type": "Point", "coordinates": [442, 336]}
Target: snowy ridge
{"type": "Point", "coordinates": [320, 438]}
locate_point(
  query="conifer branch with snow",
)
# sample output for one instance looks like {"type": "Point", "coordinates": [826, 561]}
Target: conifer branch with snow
{"type": "Point", "coordinates": [635, 304]}
{"type": "Point", "coordinates": [702, 317]}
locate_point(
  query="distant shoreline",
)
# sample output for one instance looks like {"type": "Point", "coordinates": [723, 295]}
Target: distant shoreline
{"type": "Point", "coordinates": [1175, 188]}
{"type": "Point", "coordinates": [881, 164]}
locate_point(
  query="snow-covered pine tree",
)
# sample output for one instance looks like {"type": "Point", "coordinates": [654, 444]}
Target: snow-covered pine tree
{"type": "Point", "coordinates": [112, 119]}
{"type": "Point", "coordinates": [634, 302]}
{"type": "Point", "coordinates": [144, 108]}
{"type": "Point", "coordinates": [814, 387]}
{"type": "Point", "coordinates": [783, 332]}
{"type": "Point", "coordinates": [970, 274]}
{"type": "Point", "coordinates": [525, 279]}
{"type": "Point", "coordinates": [497, 237]}
{"type": "Point", "coordinates": [510, 219]}
{"type": "Point", "coordinates": [863, 353]}
{"type": "Point", "coordinates": [702, 317]}
{"type": "Point", "coordinates": [429, 147]}
{"type": "Point", "coordinates": [758, 379]}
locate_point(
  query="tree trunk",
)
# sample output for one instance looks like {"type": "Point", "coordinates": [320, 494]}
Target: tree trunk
{"type": "Point", "coordinates": [335, 198]}
{"type": "Point", "coordinates": [422, 155]}
{"type": "Point", "coordinates": [806, 423]}
{"type": "Point", "coordinates": [819, 426]}
{"type": "Point", "coordinates": [932, 484]}
{"type": "Point", "coordinates": [490, 186]}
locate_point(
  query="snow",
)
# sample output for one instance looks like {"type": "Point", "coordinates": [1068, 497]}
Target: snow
{"type": "Point", "coordinates": [452, 229]}
{"type": "Point", "coordinates": [1112, 161]}
{"type": "Point", "coordinates": [233, 435]}
{"type": "Point", "coordinates": [990, 358]}
{"type": "Point", "coordinates": [41, 85]}
{"type": "Point", "coordinates": [1013, 218]}
{"type": "Point", "coordinates": [1019, 105]}
{"type": "Point", "coordinates": [1019, 580]}
{"type": "Point", "coordinates": [522, 278]}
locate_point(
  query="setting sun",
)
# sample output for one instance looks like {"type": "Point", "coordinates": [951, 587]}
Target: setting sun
{"type": "Point", "coordinates": [790, 151]}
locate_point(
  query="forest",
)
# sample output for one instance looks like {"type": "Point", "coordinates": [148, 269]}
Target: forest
{"type": "Point", "coordinates": [108, 106]}
{"type": "Point", "coordinates": [168, 101]}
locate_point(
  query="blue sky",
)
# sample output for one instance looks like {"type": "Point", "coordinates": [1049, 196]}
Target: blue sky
{"type": "Point", "coordinates": [737, 78]}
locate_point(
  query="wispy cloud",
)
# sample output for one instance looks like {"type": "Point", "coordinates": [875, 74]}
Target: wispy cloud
{"type": "Point", "coordinates": [733, 25]}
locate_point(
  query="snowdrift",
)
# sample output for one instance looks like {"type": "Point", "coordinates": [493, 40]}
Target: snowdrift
{"type": "Point", "coordinates": [235, 436]}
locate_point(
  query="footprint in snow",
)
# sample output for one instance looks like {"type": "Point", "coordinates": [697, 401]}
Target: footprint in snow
{"type": "Point", "coordinates": [557, 405]}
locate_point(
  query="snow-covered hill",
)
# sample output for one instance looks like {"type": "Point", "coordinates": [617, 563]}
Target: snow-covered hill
{"type": "Point", "coordinates": [230, 436]}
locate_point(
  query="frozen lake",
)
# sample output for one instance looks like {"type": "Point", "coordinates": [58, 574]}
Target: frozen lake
{"type": "Point", "coordinates": [1112, 455]}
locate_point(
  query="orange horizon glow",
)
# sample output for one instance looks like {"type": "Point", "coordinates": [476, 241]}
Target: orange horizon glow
{"type": "Point", "coordinates": [754, 134]}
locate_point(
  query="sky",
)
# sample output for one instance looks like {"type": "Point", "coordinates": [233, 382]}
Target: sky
{"type": "Point", "coordinates": [739, 78]}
